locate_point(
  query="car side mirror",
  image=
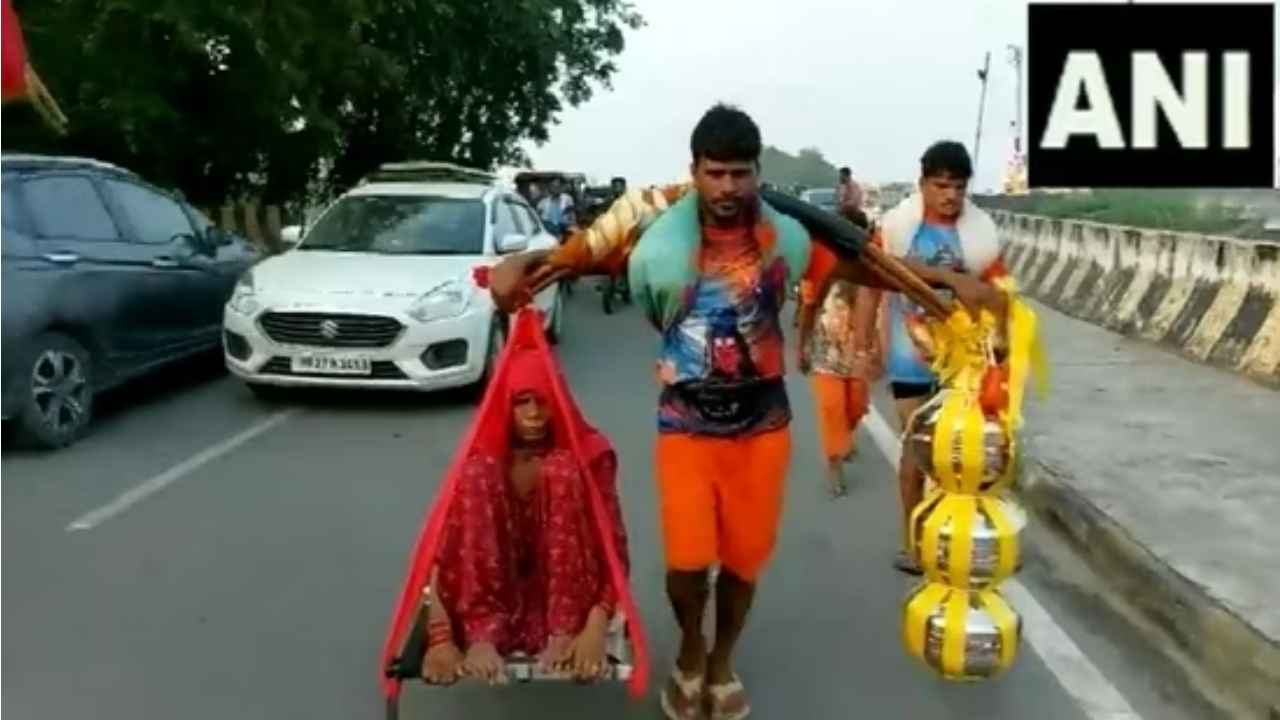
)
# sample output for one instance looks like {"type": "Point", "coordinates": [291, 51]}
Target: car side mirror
{"type": "Point", "coordinates": [217, 237]}
{"type": "Point", "coordinates": [512, 243]}
{"type": "Point", "coordinates": [196, 242]}
{"type": "Point", "coordinates": [291, 235]}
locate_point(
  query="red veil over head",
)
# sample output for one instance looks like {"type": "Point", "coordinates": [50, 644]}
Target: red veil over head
{"type": "Point", "coordinates": [13, 77]}
{"type": "Point", "coordinates": [526, 363]}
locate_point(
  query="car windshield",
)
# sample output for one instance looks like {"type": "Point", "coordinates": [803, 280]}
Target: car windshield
{"type": "Point", "coordinates": [400, 225]}
{"type": "Point", "coordinates": [821, 197]}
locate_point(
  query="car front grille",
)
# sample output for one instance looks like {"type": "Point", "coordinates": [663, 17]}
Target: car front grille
{"type": "Point", "coordinates": [382, 370]}
{"type": "Point", "coordinates": [331, 329]}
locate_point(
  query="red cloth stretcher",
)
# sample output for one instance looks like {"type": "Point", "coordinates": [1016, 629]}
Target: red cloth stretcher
{"type": "Point", "coordinates": [406, 638]}
{"type": "Point", "coordinates": [18, 80]}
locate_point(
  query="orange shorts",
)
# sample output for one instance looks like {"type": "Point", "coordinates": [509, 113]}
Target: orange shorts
{"type": "Point", "coordinates": [841, 404]}
{"type": "Point", "coordinates": [721, 499]}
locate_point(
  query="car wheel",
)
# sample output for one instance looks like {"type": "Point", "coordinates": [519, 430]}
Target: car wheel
{"type": "Point", "coordinates": [556, 332]}
{"type": "Point", "coordinates": [59, 402]}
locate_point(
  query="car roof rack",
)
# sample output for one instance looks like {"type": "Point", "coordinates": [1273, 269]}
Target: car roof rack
{"type": "Point", "coordinates": [31, 159]}
{"type": "Point", "coordinates": [424, 171]}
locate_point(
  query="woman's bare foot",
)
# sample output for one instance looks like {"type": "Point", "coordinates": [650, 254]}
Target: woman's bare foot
{"type": "Point", "coordinates": [484, 662]}
{"type": "Point", "coordinates": [555, 656]}
{"type": "Point", "coordinates": [586, 654]}
{"type": "Point", "coordinates": [442, 664]}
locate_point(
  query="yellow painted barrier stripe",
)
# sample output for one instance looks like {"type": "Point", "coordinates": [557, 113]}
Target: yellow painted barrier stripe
{"type": "Point", "coordinates": [953, 640]}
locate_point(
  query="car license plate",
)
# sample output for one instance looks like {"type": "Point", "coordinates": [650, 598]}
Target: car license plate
{"type": "Point", "coordinates": [330, 365]}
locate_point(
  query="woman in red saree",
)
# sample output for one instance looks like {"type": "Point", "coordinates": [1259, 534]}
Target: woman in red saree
{"type": "Point", "coordinates": [520, 568]}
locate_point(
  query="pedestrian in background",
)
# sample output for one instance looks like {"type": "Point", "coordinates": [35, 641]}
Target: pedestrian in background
{"type": "Point", "coordinates": [840, 371]}
{"type": "Point", "coordinates": [849, 199]}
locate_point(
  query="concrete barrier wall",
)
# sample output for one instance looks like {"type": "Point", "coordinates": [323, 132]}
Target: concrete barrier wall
{"type": "Point", "coordinates": [1215, 299]}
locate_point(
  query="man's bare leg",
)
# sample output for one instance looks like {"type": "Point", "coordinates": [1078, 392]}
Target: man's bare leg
{"type": "Point", "coordinates": [688, 594]}
{"type": "Point", "coordinates": [733, 601]}
{"type": "Point", "coordinates": [835, 476]}
{"type": "Point", "coordinates": [910, 485]}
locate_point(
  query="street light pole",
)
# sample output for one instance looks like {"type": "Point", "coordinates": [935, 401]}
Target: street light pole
{"type": "Point", "coordinates": [1015, 58]}
{"type": "Point", "coordinates": [982, 106]}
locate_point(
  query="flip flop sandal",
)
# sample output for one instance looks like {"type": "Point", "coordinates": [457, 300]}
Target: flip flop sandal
{"type": "Point", "coordinates": [728, 701]}
{"type": "Point", "coordinates": [682, 697]}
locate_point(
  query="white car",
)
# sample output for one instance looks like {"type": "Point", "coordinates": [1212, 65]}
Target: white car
{"type": "Point", "coordinates": [381, 291]}
{"type": "Point", "coordinates": [824, 198]}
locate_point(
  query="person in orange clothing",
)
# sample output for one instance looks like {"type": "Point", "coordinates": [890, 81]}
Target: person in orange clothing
{"type": "Point", "coordinates": [840, 372]}
{"type": "Point", "coordinates": [710, 264]}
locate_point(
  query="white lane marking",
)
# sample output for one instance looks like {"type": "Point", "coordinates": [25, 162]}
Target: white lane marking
{"type": "Point", "coordinates": [1082, 680]}
{"type": "Point", "coordinates": [140, 492]}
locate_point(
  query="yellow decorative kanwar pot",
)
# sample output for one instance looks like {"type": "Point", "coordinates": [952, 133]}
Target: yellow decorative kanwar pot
{"type": "Point", "coordinates": [967, 541]}
{"type": "Point", "coordinates": [962, 634]}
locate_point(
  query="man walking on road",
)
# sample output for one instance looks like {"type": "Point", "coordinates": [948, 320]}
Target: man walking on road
{"type": "Point", "coordinates": [840, 371]}
{"type": "Point", "coordinates": [557, 209]}
{"type": "Point", "coordinates": [849, 198]}
{"type": "Point", "coordinates": [941, 228]}
{"type": "Point", "coordinates": [711, 264]}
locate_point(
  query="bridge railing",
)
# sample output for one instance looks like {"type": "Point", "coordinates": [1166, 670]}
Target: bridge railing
{"type": "Point", "coordinates": [1215, 299]}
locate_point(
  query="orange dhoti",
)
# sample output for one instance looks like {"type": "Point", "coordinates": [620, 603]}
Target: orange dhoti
{"type": "Point", "coordinates": [841, 401]}
{"type": "Point", "coordinates": [721, 499]}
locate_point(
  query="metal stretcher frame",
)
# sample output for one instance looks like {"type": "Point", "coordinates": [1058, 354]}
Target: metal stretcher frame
{"type": "Point", "coordinates": [520, 667]}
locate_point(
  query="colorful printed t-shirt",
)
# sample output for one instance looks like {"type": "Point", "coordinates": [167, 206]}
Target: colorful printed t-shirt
{"type": "Point", "coordinates": [936, 245]}
{"type": "Point", "coordinates": [722, 365]}
{"type": "Point", "coordinates": [832, 344]}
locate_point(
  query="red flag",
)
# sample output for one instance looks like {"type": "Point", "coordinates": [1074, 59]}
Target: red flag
{"type": "Point", "coordinates": [14, 51]}
{"type": "Point", "coordinates": [586, 443]}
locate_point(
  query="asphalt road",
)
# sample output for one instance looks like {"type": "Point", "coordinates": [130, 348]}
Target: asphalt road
{"type": "Point", "coordinates": [250, 575]}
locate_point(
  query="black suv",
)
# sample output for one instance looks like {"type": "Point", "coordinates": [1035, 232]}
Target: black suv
{"type": "Point", "coordinates": [105, 277]}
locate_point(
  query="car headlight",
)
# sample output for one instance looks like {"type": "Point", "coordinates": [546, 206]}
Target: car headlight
{"type": "Point", "coordinates": [444, 301]}
{"type": "Point", "coordinates": [243, 298]}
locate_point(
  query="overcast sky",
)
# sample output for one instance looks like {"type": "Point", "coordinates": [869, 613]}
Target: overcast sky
{"type": "Point", "coordinates": [869, 82]}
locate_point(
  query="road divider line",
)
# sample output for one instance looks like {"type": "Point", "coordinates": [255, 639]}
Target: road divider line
{"type": "Point", "coordinates": [1094, 695]}
{"type": "Point", "coordinates": [146, 489]}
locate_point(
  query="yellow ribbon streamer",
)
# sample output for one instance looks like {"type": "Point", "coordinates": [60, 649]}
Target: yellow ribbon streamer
{"type": "Point", "coordinates": [926, 599]}
{"type": "Point", "coordinates": [1006, 623]}
{"type": "Point", "coordinates": [932, 532]}
{"type": "Point", "coordinates": [914, 530]}
{"type": "Point", "coordinates": [960, 551]}
{"type": "Point", "coordinates": [943, 440]}
{"type": "Point", "coordinates": [953, 640]}
{"type": "Point", "coordinates": [1008, 540]}
{"type": "Point", "coordinates": [972, 452]}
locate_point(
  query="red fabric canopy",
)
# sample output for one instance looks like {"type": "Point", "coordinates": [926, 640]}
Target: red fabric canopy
{"type": "Point", "coordinates": [14, 51]}
{"type": "Point", "coordinates": [526, 363]}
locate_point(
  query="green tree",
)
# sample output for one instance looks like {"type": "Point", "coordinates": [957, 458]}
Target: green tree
{"type": "Point", "coordinates": [227, 98]}
{"type": "Point", "coordinates": [809, 168]}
